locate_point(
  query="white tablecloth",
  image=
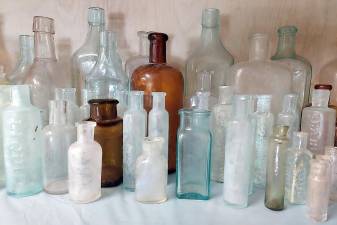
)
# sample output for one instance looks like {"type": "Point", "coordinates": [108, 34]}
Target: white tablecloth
{"type": "Point", "coordinates": [119, 207]}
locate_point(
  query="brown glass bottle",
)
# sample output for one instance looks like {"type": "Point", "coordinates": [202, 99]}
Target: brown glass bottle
{"type": "Point", "coordinates": [158, 76]}
{"type": "Point", "coordinates": [109, 134]}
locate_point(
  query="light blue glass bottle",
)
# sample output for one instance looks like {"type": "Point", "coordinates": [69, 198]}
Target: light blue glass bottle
{"type": "Point", "coordinates": [194, 142]}
{"type": "Point", "coordinates": [22, 143]}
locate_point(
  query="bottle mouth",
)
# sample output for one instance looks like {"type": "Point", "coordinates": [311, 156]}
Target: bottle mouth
{"type": "Point", "coordinates": [210, 17]}
{"type": "Point", "coordinates": [155, 36]}
{"type": "Point", "coordinates": [323, 86]}
{"type": "Point", "coordinates": [103, 101]}
{"type": "Point", "coordinates": [43, 24]}
{"type": "Point", "coordinates": [287, 30]}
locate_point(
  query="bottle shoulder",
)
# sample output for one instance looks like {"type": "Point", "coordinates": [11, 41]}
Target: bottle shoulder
{"type": "Point", "coordinates": [152, 70]}
{"type": "Point", "coordinates": [212, 53]}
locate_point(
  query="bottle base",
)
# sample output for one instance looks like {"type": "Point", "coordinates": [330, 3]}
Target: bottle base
{"type": "Point", "coordinates": [274, 205]}
{"type": "Point", "coordinates": [106, 184]}
{"type": "Point", "coordinates": [57, 187]}
{"type": "Point", "coordinates": [87, 200]}
{"type": "Point", "coordinates": [131, 189]}
{"type": "Point", "coordinates": [152, 202]}
{"type": "Point", "coordinates": [319, 218]}
{"type": "Point", "coordinates": [193, 196]}
{"type": "Point", "coordinates": [25, 194]}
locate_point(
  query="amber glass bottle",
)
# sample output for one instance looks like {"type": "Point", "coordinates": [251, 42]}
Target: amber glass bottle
{"type": "Point", "coordinates": [109, 134]}
{"type": "Point", "coordinates": [158, 76]}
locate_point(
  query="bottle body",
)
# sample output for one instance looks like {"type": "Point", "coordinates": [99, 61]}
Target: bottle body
{"type": "Point", "coordinates": [4, 101]}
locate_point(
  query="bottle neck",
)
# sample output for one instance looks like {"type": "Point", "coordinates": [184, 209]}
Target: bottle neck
{"type": "Point", "coordinates": [286, 46]}
{"type": "Point", "coordinates": [320, 98]}
{"type": "Point", "coordinates": [157, 52]}
{"type": "Point", "coordinates": [289, 104]}
{"type": "Point", "coordinates": [58, 112]}
{"type": "Point", "coordinates": [85, 134]}
{"type": "Point", "coordinates": [158, 103]}
{"type": "Point", "coordinates": [93, 34]}
{"type": "Point", "coordinates": [44, 46]}
{"type": "Point", "coordinates": [259, 47]}
{"type": "Point", "coordinates": [210, 35]}
{"type": "Point", "coordinates": [27, 54]}
{"type": "Point", "coordinates": [136, 102]}
{"type": "Point", "coordinates": [144, 46]}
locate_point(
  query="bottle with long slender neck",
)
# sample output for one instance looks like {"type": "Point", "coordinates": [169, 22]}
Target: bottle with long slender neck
{"type": "Point", "coordinates": [26, 59]}
{"type": "Point", "coordinates": [260, 76]}
{"type": "Point", "coordinates": [300, 67]}
{"type": "Point", "coordinates": [157, 76]}
{"type": "Point", "coordinates": [43, 74]}
{"type": "Point", "coordinates": [85, 58]}
{"type": "Point", "coordinates": [69, 95]}
{"type": "Point", "coordinates": [210, 55]}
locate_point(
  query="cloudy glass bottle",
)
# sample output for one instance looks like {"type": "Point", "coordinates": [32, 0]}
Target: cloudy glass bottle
{"type": "Point", "coordinates": [332, 153]}
{"type": "Point", "coordinates": [69, 95]}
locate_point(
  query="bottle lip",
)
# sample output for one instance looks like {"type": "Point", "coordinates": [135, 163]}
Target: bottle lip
{"type": "Point", "coordinates": [323, 86]}
{"type": "Point", "coordinates": [287, 29]}
{"type": "Point", "coordinates": [210, 17]}
{"type": "Point", "coordinates": [96, 16]}
{"type": "Point", "coordinates": [195, 112]}
{"type": "Point", "coordinates": [43, 24]}
{"type": "Point", "coordinates": [156, 36]}
{"type": "Point", "coordinates": [258, 36]}
{"type": "Point", "coordinates": [103, 101]}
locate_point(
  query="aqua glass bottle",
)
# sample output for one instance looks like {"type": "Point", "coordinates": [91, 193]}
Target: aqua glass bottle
{"type": "Point", "coordinates": [298, 65]}
{"type": "Point", "coordinates": [85, 58]}
{"type": "Point", "coordinates": [210, 55]}
{"type": "Point", "coordinates": [3, 77]}
{"type": "Point", "coordinates": [26, 59]}
{"type": "Point", "coordinates": [194, 141]}
{"type": "Point", "coordinates": [22, 143]}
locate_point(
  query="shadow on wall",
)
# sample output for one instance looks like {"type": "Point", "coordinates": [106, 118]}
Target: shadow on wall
{"type": "Point", "coordinates": [64, 50]}
{"type": "Point", "coordinates": [5, 58]}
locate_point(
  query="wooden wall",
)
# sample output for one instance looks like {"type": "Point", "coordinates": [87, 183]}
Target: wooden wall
{"type": "Point", "coordinates": [316, 20]}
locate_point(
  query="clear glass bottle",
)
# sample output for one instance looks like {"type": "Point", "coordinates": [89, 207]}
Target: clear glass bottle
{"type": "Point", "coordinates": [318, 190]}
{"type": "Point", "coordinates": [297, 169]}
{"type": "Point", "coordinates": [210, 55]}
{"type": "Point", "coordinates": [22, 143]}
{"type": "Point", "coordinates": [44, 71]}
{"type": "Point", "coordinates": [194, 142]}
{"type": "Point", "coordinates": [276, 169]}
{"type": "Point", "coordinates": [260, 76]}
{"type": "Point", "coordinates": [264, 130]}
{"type": "Point", "coordinates": [69, 95]}
{"type": "Point", "coordinates": [134, 131]}
{"type": "Point", "coordinates": [3, 77]}
{"type": "Point", "coordinates": [85, 165]}
{"type": "Point", "coordinates": [143, 55]}
{"type": "Point", "coordinates": [319, 122]}
{"type": "Point", "coordinates": [107, 76]}
{"type": "Point", "coordinates": [332, 153]}
{"type": "Point", "coordinates": [238, 153]}
{"type": "Point", "coordinates": [58, 136]}
{"type": "Point", "coordinates": [151, 172]}
{"type": "Point", "coordinates": [26, 59]}
{"type": "Point", "coordinates": [220, 116]}
{"type": "Point", "coordinates": [299, 66]}
{"type": "Point", "coordinates": [85, 58]}
{"type": "Point", "coordinates": [289, 116]}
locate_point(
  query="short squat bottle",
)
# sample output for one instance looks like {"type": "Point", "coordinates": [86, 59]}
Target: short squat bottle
{"type": "Point", "coordinates": [151, 172]}
{"type": "Point", "coordinates": [319, 122]}
{"type": "Point", "coordinates": [134, 131]}
{"type": "Point", "coordinates": [332, 153]}
{"type": "Point", "coordinates": [220, 116]}
{"type": "Point", "coordinates": [85, 165]}
{"type": "Point", "coordinates": [22, 143]}
{"type": "Point", "coordinates": [297, 169]}
{"type": "Point", "coordinates": [69, 95]}
{"type": "Point", "coordinates": [193, 148]}
{"type": "Point", "coordinates": [264, 130]}
{"type": "Point", "coordinates": [238, 153]}
{"type": "Point", "coordinates": [276, 169]}
{"type": "Point", "coordinates": [109, 134]}
{"type": "Point", "coordinates": [58, 136]}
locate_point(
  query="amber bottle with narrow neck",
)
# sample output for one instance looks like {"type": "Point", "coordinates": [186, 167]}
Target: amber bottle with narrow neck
{"type": "Point", "coordinates": [109, 134]}
{"type": "Point", "coordinates": [157, 76]}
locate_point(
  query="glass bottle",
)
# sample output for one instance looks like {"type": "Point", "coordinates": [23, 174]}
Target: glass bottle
{"type": "Point", "coordinates": [210, 55]}
{"type": "Point", "coordinates": [319, 122]}
{"type": "Point", "coordinates": [143, 55]}
{"type": "Point", "coordinates": [299, 66]}
{"type": "Point", "coordinates": [194, 141]}
{"type": "Point", "coordinates": [238, 153]}
{"type": "Point", "coordinates": [69, 95]}
{"type": "Point", "coordinates": [260, 76]}
{"type": "Point", "coordinates": [220, 116]}
{"type": "Point", "coordinates": [85, 165]}
{"type": "Point", "coordinates": [107, 76]}
{"type": "Point", "coordinates": [134, 131]}
{"type": "Point", "coordinates": [263, 132]}
{"type": "Point", "coordinates": [22, 143]}
{"type": "Point", "coordinates": [3, 78]}
{"type": "Point", "coordinates": [58, 136]}
{"type": "Point", "coordinates": [43, 73]}
{"type": "Point", "coordinates": [109, 134]}
{"type": "Point", "coordinates": [26, 59]}
{"type": "Point", "coordinates": [289, 116]}
{"type": "Point", "coordinates": [297, 169]}
{"type": "Point", "coordinates": [158, 76]}
{"type": "Point", "coordinates": [276, 169]}
{"type": "Point", "coordinates": [85, 58]}
{"type": "Point", "coordinates": [151, 172]}
{"type": "Point", "coordinates": [332, 153]}
{"type": "Point", "coordinates": [318, 190]}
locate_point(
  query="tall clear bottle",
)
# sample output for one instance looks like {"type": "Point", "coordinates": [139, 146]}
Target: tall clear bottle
{"type": "Point", "coordinates": [220, 116]}
{"type": "Point", "coordinates": [69, 95]}
{"type": "Point", "coordinates": [319, 122]}
{"type": "Point", "coordinates": [134, 131]}
{"type": "Point", "coordinates": [264, 130]}
{"type": "Point", "coordinates": [299, 66]}
{"type": "Point", "coordinates": [43, 73]}
{"type": "Point", "coordinates": [332, 153]}
{"type": "Point", "coordinates": [297, 169]}
{"type": "Point", "coordinates": [143, 55]}
{"type": "Point", "coordinates": [260, 76]}
{"type": "Point", "coordinates": [85, 58]}
{"type": "Point", "coordinates": [26, 59]}
{"type": "Point", "coordinates": [210, 55]}
{"type": "Point", "coordinates": [238, 153]}
{"type": "Point", "coordinates": [85, 165]}
{"type": "Point", "coordinates": [22, 143]}
{"type": "Point", "coordinates": [58, 136]}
